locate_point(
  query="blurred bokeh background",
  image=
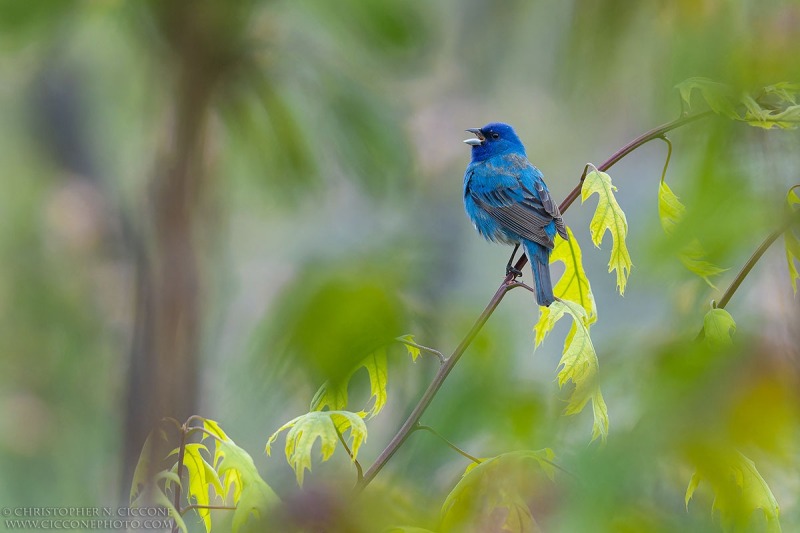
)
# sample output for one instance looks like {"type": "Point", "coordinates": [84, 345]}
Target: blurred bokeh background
{"type": "Point", "coordinates": [212, 207]}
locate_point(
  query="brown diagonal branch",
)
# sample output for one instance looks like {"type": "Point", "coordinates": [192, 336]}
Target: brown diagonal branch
{"type": "Point", "coordinates": [793, 218]}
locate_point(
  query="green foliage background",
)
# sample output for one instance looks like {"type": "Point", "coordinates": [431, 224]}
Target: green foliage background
{"type": "Point", "coordinates": [330, 221]}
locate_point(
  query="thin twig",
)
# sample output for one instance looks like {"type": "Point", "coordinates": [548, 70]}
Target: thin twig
{"type": "Point", "coordinates": [352, 457]}
{"type": "Point", "coordinates": [524, 286]}
{"type": "Point", "coordinates": [195, 417]}
{"type": "Point", "coordinates": [437, 353]}
{"type": "Point", "coordinates": [748, 266]}
{"type": "Point", "coordinates": [450, 444]}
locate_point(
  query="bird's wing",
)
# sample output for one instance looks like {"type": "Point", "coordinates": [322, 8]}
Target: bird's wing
{"type": "Point", "coordinates": [501, 191]}
{"type": "Point", "coordinates": [548, 204]}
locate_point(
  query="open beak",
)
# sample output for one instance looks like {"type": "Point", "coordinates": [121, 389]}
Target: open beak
{"type": "Point", "coordinates": [477, 132]}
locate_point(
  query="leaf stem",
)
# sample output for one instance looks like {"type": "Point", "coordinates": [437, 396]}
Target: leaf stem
{"type": "Point", "coordinates": [195, 418]}
{"type": "Point", "coordinates": [350, 453]}
{"type": "Point", "coordinates": [437, 353]}
{"type": "Point", "coordinates": [450, 444]}
{"type": "Point", "coordinates": [202, 430]}
{"type": "Point", "coordinates": [669, 155]}
{"type": "Point", "coordinates": [172, 421]}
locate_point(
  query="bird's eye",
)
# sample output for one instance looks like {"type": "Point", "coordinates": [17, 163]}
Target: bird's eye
{"type": "Point", "coordinates": [495, 135]}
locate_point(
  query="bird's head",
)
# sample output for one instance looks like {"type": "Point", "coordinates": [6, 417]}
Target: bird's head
{"type": "Point", "coordinates": [494, 139]}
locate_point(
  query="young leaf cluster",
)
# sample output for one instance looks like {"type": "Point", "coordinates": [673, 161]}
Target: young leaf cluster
{"type": "Point", "coordinates": [328, 420]}
{"type": "Point", "coordinates": [334, 396]}
{"type": "Point", "coordinates": [149, 487]}
{"type": "Point", "coordinates": [579, 363]}
{"type": "Point", "coordinates": [773, 106]}
{"type": "Point", "coordinates": [223, 478]}
{"type": "Point", "coordinates": [327, 426]}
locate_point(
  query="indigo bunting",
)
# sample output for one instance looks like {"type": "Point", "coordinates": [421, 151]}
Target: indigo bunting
{"type": "Point", "coordinates": [508, 202]}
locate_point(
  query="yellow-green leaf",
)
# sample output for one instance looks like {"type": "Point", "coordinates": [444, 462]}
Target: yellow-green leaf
{"type": "Point", "coordinates": [718, 96]}
{"type": "Point", "coordinates": [142, 470]}
{"type": "Point", "coordinates": [788, 119]}
{"type": "Point", "coordinates": [755, 115]}
{"type": "Point", "coordinates": [693, 484]}
{"type": "Point", "coordinates": [670, 208]}
{"type": "Point", "coordinates": [785, 91]}
{"type": "Point", "coordinates": [573, 285]}
{"type": "Point", "coordinates": [330, 395]}
{"type": "Point", "coordinates": [740, 493]}
{"type": "Point", "coordinates": [408, 342]}
{"type": "Point", "coordinates": [325, 426]}
{"type": "Point", "coordinates": [159, 498]}
{"type": "Point", "coordinates": [213, 427]}
{"type": "Point", "coordinates": [579, 364]}
{"type": "Point", "coordinates": [333, 396]}
{"type": "Point", "coordinates": [545, 457]}
{"type": "Point", "coordinates": [376, 366]}
{"type": "Point", "coordinates": [492, 496]}
{"type": "Point", "coordinates": [231, 480]}
{"type": "Point", "coordinates": [145, 490]}
{"type": "Point", "coordinates": [782, 110]}
{"type": "Point", "coordinates": [758, 116]}
{"type": "Point", "coordinates": [153, 494]}
{"type": "Point", "coordinates": [254, 497]}
{"type": "Point", "coordinates": [202, 476]}
{"type": "Point", "coordinates": [791, 240]}
{"type": "Point", "coordinates": [238, 479]}
{"type": "Point", "coordinates": [608, 217]}
{"type": "Point", "coordinates": [473, 465]}
{"type": "Point", "coordinates": [692, 256]}
{"type": "Point", "coordinates": [171, 478]}
{"type": "Point", "coordinates": [718, 325]}
{"type": "Point", "coordinates": [670, 212]}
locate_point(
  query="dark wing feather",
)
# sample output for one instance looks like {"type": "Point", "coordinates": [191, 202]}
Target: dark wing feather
{"type": "Point", "coordinates": [517, 211]}
{"type": "Point", "coordinates": [551, 208]}
{"type": "Point", "coordinates": [514, 195]}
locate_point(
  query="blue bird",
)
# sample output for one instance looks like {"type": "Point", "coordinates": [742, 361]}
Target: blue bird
{"type": "Point", "coordinates": [507, 201]}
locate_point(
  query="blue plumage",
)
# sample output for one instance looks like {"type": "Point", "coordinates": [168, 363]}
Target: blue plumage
{"type": "Point", "coordinates": [508, 201]}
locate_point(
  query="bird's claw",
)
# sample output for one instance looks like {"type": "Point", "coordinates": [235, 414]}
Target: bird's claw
{"type": "Point", "coordinates": [514, 272]}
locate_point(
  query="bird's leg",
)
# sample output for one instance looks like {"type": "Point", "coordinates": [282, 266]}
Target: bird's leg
{"type": "Point", "coordinates": [509, 267]}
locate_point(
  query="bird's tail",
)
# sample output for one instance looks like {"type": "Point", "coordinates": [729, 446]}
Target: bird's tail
{"type": "Point", "coordinates": [539, 258]}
